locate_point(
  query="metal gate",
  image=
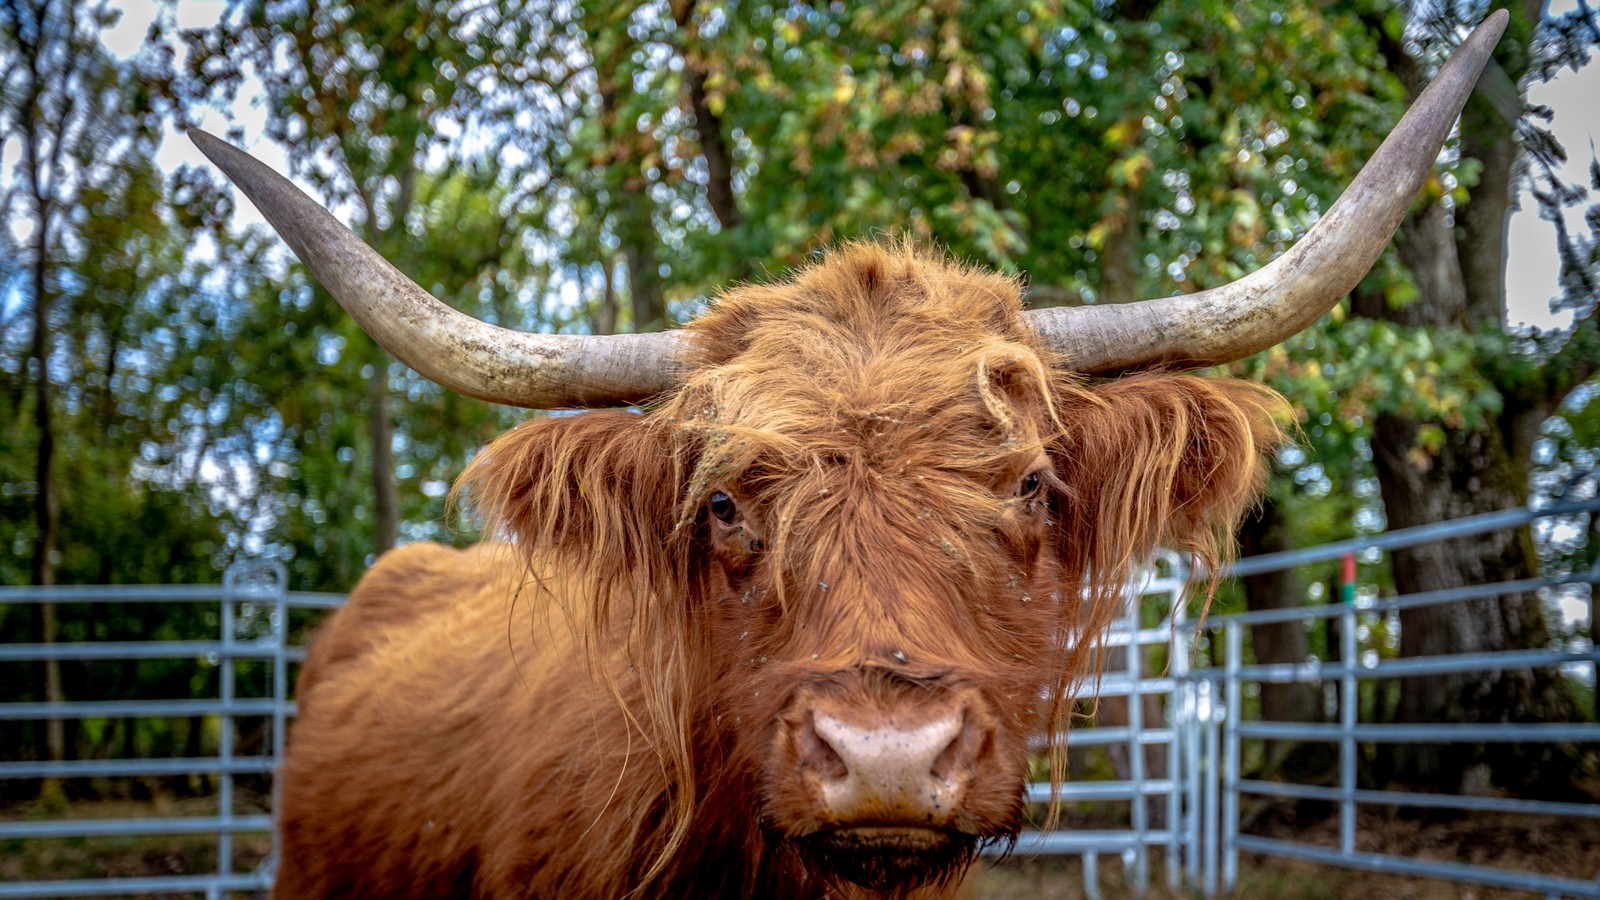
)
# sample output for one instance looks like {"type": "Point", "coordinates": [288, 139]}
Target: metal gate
{"type": "Point", "coordinates": [251, 613]}
{"type": "Point", "coordinates": [1178, 738]}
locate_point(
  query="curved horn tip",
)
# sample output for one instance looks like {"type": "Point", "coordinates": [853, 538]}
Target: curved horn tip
{"type": "Point", "coordinates": [1278, 300]}
{"type": "Point", "coordinates": [203, 139]}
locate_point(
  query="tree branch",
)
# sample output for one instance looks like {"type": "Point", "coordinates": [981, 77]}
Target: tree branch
{"type": "Point", "coordinates": [718, 157]}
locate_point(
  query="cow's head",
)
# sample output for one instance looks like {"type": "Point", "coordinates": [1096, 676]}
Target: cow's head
{"type": "Point", "coordinates": [861, 544]}
{"type": "Point", "coordinates": [864, 550]}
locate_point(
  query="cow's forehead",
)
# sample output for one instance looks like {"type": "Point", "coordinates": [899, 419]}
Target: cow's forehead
{"type": "Point", "coordinates": [861, 295]}
{"type": "Point", "coordinates": [880, 360]}
{"type": "Point", "coordinates": [943, 425]}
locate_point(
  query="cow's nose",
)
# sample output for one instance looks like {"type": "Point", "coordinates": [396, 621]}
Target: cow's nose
{"type": "Point", "coordinates": [883, 772]}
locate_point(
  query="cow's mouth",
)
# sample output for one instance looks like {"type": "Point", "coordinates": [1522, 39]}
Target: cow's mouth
{"type": "Point", "coordinates": [890, 858]}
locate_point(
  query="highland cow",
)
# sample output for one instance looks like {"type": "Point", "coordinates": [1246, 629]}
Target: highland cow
{"type": "Point", "coordinates": [788, 631]}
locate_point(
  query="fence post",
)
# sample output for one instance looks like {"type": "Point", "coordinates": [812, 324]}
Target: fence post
{"type": "Point", "coordinates": [1136, 767]}
{"type": "Point", "coordinates": [225, 739]}
{"type": "Point", "coordinates": [261, 583]}
{"type": "Point", "coordinates": [280, 713]}
{"type": "Point", "coordinates": [1349, 707]}
{"type": "Point", "coordinates": [1213, 780]}
{"type": "Point", "coordinates": [1230, 758]}
{"type": "Point", "coordinates": [1181, 800]}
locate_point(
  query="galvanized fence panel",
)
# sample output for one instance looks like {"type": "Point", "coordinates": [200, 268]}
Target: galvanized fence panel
{"type": "Point", "coordinates": [1132, 636]}
{"type": "Point", "coordinates": [1198, 737]}
{"type": "Point", "coordinates": [1348, 732]}
{"type": "Point", "coordinates": [252, 609]}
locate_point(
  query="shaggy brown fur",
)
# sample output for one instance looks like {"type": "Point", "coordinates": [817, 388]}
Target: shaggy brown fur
{"type": "Point", "coordinates": [926, 512]}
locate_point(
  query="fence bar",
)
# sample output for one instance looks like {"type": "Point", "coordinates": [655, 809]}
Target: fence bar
{"type": "Point", "coordinates": [1501, 733]}
{"type": "Point", "coordinates": [1087, 791]}
{"type": "Point", "coordinates": [1118, 635]}
{"type": "Point", "coordinates": [113, 593]}
{"type": "Point", "coordinates": [1178, 712]}
{"type": "Point", "coordinates": [93, 828]}
{"type": "Point", "coordinates": [133, 768]}
{"type": "Point", "coordinates": [1404, 601]}
{"type": "Point", "coordinates": [1407, 537]}
{"type": "Point", "coordinates": [1212, 817]}
{"type": "Point", "coordinates": [1031, 842]}
{"type": "Point", "coordinates": [280, 717]}
{"type": "Point", "coordinates": [1136, 762]}
{"type": "Point", "coordinates": [1119, 685]}
{"type": "Point", "coordinates": [225, 740]}
{"type": "Point", "coordinates": [1105, 735]}
{"type": "Point", "coordinates": [121, 887]}
{"type": "Point", "coordinates": [155, 593]}
{"type": "Point", "coordinates": [1475, 662]}
{"type": "Point", "coordinates": [1411, 798]}
{"type": "Point", "coordinates": [1447, 871]}
{"type": "Point", "coordinates": [136, 709]}
{"type": "Point", "coordinates": [208, 650]}
{"type": "Point", "coordinates": [313, 599]}
{"type": "Point", "coordinates": [1283, 673]}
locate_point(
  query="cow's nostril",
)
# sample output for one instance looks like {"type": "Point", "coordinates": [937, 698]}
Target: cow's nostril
{"type": "Point", "coordinates": [814, 753]}
{"type": "Point", "coordinates": [961, 757]}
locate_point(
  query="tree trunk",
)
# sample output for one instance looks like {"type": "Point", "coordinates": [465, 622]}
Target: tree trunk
{"type": "Point", "coordinates": [380, 418]}
{"type": "Point", "coordinates": [46, 505]}
{"type": "Point", "coordinates": [1119, 271]}
{"type": "Point", "coordinates": [646, 292]}
{"type": "Point", "coordinates": [707, 124]}
{"type": "Point", "coordinates": [1471, 474]}
{"type": "Point", "coordinates": [632, 210]}
{"type": "Point", "coordinates": [1474, 471]}
{"type": "Point", "coordinates": [380, 430]}
{"type": "Point", "coordinates": [1265, 531]}
{"type": "Point", "coordinates": [1488, 135]}
{"type": "Point", "coordinates": [604, 320]}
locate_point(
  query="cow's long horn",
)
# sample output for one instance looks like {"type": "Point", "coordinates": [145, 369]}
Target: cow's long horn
{"type": "Point", "coordinates": [1285, 296]}
{"type": "Point", "coordinates": [541, 371]}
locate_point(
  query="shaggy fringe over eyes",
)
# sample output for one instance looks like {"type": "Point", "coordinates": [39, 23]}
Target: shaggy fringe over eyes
{"type": "Point", "coordinates": [889, 362]}
{"type": "Point", "coordinates": [1148, 461]}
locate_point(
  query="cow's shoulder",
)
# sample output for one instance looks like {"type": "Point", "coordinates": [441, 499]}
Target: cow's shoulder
{"type": "Point", "coordinates": [407, 587]}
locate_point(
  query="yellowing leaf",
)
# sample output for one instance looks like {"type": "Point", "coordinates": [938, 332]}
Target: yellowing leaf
{"type": "Point", "coordinates": [1121, 133]}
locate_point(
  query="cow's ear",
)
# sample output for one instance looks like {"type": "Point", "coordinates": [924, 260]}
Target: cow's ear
{"type": "Point", "coordinates": [1159, 460]}
{"type": "Point", "coordinates": [597, 491]}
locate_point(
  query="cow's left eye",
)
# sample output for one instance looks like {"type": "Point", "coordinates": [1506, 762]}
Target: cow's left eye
{"type": "Point", "coordinates": [721, 506]}
{"type": "Point", "coordinates": [1029, 488]}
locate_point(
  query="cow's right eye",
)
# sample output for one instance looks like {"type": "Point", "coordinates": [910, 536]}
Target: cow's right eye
{"type": "Point", "coordinates": [721, 506]}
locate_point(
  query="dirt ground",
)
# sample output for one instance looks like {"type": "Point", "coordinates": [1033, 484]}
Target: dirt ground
{"type": "Point", "coordinates": [123, 857]}
{"type": "Point", "coordinates": [1553, 846]}
{"type": "Point", "coordinates": [1566, 847]}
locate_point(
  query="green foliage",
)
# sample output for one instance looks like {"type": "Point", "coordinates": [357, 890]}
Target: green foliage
{"type": "Point", "coordinates": [541, 164]}
{"type": "Point", "coordinates": [114, 265]}
{"type": "Point", "coordinates": [396, 110]}
{"type": "Point", "coordinates": [510, 155]}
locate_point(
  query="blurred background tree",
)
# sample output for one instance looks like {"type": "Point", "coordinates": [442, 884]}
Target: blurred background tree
{"type": "Point", "coordinates": [176, 393]}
